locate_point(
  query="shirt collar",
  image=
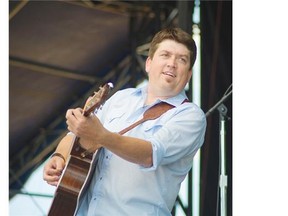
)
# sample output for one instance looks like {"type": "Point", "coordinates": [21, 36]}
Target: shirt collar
{"type": "Point", "coordinates": [175, 101]}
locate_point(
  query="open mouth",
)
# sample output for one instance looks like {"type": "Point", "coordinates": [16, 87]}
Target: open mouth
{"type": "Point", "coordinates": [169, 74]}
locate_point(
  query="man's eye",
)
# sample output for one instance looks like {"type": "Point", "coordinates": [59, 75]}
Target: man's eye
{"type": "Point", "coordinates": [183, 60]}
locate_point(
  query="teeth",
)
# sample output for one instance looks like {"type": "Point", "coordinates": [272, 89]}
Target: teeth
{"type": "Point", "coordinates": [170, 74]}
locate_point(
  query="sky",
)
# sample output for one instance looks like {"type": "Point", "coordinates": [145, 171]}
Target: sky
{"type": "Point", "coordinates": [34, 205]}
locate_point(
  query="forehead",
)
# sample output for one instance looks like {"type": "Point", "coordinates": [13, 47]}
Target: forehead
{"type": "Point", "coordinates": [173, 47]}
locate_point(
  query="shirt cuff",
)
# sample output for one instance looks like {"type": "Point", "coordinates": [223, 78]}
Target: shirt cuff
{"type": "Point", "coordinates": [156, 155]}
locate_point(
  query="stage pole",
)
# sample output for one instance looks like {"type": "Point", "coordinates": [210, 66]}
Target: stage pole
{"type": "Point", "coordinates": [223, 179]}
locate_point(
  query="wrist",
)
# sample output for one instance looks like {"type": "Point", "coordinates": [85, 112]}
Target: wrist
{"type": "Point", "coordinates": [57, 154]}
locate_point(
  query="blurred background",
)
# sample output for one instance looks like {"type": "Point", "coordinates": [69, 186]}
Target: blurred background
{"type": "Point", "coordinates": [62, 51]}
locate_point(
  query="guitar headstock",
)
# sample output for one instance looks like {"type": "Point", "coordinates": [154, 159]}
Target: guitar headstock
{"type": "Point", "coordinates": [97, 99]}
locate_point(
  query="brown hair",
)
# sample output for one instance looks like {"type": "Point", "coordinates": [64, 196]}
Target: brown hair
{"type": "Point", "coordinates": [177, 35]}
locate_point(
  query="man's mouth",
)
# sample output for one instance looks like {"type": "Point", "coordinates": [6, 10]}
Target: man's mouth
{"type": "Point", "coordinates": [169, 74]}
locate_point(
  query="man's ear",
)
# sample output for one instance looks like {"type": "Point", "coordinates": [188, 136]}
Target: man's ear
{"type": "Point", "coordinates": [147, 64]}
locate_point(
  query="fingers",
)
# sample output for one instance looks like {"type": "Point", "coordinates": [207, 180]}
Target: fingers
{"type": "Point", "coordinates": [81, 126]}
{"type": "Point", "coordinates": [53, 170]}
{"type": "Point", "coordinates": [73, 118]}
{"type": "Point", "coordinates": [74, 113]}
{"type": "Point", "coordinates": [52, 180]}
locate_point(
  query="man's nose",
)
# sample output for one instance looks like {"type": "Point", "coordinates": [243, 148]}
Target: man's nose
{"type": "Point", "coordinates": [171, 62]}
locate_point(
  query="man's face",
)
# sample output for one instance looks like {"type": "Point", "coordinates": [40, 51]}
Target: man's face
{"type": "Point", "coordinates": [168, 70]}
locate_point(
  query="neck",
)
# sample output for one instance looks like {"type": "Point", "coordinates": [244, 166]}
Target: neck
{"type": "Point", "coordinates": [152, 97]}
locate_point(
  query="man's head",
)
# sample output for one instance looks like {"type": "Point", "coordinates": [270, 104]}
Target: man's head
{"type": "Point", "coordinates": [177, 35]}
{"type": "Point", "coordinates": [169, 64]}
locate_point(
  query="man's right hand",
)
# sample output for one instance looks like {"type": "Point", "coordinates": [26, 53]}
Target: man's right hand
{"type": "Point", "coordinates": [53, 170]}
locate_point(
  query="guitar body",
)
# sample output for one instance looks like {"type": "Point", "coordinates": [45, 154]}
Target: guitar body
{"type": "Point", "coordinates": [73, 183]}
{"type": "Point", "coordinates": [79, 168]}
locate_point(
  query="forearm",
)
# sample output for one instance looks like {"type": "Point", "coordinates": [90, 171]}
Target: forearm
{"type": "Point", "coordinates": [129, 148]}
{"type": "Point", "coordinates": [64, 146]}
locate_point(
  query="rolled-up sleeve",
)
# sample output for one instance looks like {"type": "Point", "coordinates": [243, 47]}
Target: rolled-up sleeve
{"type": "Point", "coordinates": [176, 136]}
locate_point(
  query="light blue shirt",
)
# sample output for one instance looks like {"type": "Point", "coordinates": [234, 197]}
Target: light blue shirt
{"type": "Point", "coordinates": [122, 188]}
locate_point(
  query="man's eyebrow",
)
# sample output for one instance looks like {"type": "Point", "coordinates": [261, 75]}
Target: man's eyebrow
{"type": "Point", "coordinates": [180, 55]}
{"type": "Point", "coordinates": [184, 55]}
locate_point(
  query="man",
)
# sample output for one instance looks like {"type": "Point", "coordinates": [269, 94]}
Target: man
{"type": "Point", "coordinates": [140, 172]}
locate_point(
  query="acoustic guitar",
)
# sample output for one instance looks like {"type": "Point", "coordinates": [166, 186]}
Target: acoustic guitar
{"type": "Point", "coordinates": [80, 166]}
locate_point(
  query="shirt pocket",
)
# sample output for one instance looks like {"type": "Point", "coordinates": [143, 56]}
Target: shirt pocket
{"type": "Point", "coordinates": [152, 126]}
{"type": "Point", "coordinates": [113, 122]}
{"type": "Point", "coordinates": [115, 115]}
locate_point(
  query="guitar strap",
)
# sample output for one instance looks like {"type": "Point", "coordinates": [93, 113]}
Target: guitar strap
{"type": "Point", "coordinates": [154, 112]}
